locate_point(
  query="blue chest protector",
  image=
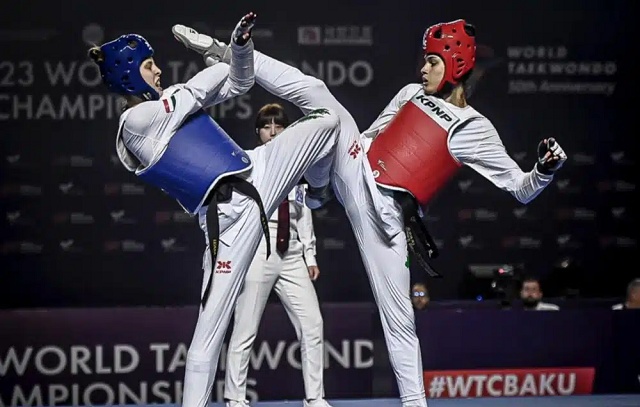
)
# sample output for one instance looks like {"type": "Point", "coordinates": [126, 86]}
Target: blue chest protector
{"type": "Point", "coordinates": [197, 157]}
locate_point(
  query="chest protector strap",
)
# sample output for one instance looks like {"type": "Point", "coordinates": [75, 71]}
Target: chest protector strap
{"type": "Point", "coordinates": [419, 242]}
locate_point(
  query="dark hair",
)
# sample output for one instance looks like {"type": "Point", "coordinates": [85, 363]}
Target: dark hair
{"type": "Point", "coordinates": [419, 283]}
{"type": "Point", "coordinates": [531, 279]}
{"type": "Point", "coordinates": [95, 53]}
{"type": "Point", "coordinates": [470, 29]}
{"type": "Point", "coordinates": [271, 112]}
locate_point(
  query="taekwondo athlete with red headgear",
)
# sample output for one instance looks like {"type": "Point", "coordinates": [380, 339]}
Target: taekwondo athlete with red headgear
{"type": "Point", "coordinates": [427, 132]}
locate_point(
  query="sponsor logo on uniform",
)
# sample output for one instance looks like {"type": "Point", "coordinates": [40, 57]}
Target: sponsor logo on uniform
{"type": "Point", "coordinates": [223, 267]}
{"type": "Point", "coordinates": [436, 110]}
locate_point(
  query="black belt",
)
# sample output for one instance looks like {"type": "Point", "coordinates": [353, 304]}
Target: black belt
{"type": "Point", "coordinates": [222, 193]}
{"type": "Point", "coordinates": [420, 243]}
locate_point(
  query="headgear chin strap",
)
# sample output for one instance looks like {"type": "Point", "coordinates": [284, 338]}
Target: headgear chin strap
{"type": "Point", "coordinates": [120, 68]}
{"type": "Point", "coordinates": [455, 46]}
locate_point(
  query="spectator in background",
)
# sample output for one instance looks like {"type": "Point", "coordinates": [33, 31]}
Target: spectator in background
{"type": "Point", "coordinates": [632, 300]}
{"type": "Point", "coordinates": [419, 296]}
{"type": "Point", "coordinates": [531, 296]}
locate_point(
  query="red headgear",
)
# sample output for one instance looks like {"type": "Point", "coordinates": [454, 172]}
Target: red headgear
{"type": "Point", "coordinates": [457, 49]}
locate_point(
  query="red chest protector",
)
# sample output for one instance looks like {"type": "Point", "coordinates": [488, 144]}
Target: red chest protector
{"type": "Point", "coordinates": [411, 153]}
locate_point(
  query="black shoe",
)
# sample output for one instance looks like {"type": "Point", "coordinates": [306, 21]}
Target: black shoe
{"type": "Point", "coordinates": [316, 198]}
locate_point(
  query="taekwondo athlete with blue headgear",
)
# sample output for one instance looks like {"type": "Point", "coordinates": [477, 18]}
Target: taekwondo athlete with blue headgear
{"type": "Point", "coordinates": [168, 140]}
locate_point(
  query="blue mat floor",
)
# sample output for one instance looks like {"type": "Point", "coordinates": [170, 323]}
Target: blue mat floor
{"type": "Point", "coordinates": [614, 400]}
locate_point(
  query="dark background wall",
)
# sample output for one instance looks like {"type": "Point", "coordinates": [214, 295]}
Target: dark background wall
{"type": "Point", "coordinates": [77, 229]}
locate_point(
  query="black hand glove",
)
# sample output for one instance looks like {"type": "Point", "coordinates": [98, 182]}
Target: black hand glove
{"type": "Point", "coordinates": [242, 32]}
{"type": "Point", "coordinates": [550, 156]}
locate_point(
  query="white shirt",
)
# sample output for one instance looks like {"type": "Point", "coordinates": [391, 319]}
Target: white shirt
{"type": "Point", "coordinates": [301, 234]}
{"type": "Point", "coordinates": [476, 144]}
{"type": "Point", "coordinates": [545, 306]}
{"type": "Point", "coordinates": [145, 129]}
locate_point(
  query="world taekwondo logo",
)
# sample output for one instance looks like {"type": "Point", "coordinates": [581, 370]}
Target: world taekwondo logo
{"type": "Point", "coordinates": [620, 158]}
{"type": "Point", "coordinates": [520, 213]}
{"type": "Point", "coordinates": [13, 159]}
{"type": "Point", "coordinates": [555, 69]}
{"type": "Point", "coordinates": [465, 241]}
{"type": "Point", "coordinates": [618, 212]}
{"type": "Point", "coordinates": [65, 187]}
{"type": "Point", "coordinates": [464, 185]}
{"type": "Point", "coordinates": [520, 156]}
{"type": "Point", "coordinates": [66, 244]}
{"type": "Point", "coordinates": [120, 217]}
{"type": "Point", "coordinates": [568, 242]}
{"type": "Point", "coordinates": [13, 217]}
{"type": "Point", "coordinates": [171, 245]}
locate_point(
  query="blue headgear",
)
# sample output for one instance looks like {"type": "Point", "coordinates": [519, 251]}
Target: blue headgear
{"type": "Point", "coordinates": [120, 68]}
